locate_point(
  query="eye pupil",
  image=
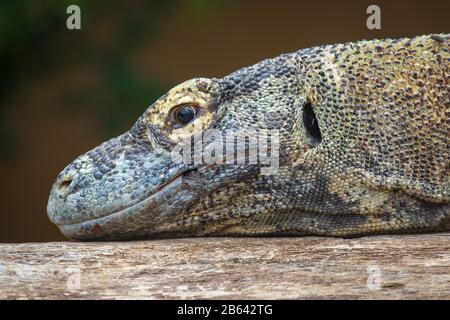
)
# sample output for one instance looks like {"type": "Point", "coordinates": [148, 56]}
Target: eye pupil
{"type": "Point", "coordinates": [185, 114]}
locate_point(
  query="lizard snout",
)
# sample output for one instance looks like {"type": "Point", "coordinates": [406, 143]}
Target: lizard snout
{"type": "Point", "coordinates": [104, 183]}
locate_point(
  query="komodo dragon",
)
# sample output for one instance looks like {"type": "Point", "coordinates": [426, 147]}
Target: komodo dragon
{"type": "Point", "coordinates": [363, 149]}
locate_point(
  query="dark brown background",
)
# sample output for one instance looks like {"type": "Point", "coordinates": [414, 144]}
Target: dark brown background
{"type": "Point", "coordinates": [66, 91]}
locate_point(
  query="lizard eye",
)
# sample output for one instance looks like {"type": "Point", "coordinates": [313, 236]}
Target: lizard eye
{"type": "Point", "coordinates": [311, 125]}
{"type": "Point", "coordinates": [184, 114]}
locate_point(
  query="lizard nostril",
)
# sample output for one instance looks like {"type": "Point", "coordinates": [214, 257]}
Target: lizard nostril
{"type": "Point", "coordinates": [65, 183]}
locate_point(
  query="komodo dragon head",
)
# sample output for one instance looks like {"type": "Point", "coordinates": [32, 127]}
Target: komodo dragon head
{"type": "Point", "coordinates": [357, 136]}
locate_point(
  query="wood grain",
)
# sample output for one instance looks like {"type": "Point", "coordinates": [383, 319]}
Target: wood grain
{"type": "Point", "coordinates": [382, 267]}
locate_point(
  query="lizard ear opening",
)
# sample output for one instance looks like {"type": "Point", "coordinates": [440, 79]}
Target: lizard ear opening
{"type": "Point", "coordinates": [311, 125]}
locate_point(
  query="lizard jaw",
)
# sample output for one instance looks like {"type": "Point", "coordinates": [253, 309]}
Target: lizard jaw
{"type": "Point", "coordinates": [162, 202]}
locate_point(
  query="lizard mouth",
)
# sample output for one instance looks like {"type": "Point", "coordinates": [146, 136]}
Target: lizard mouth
{"type": "Point", "coordinates": [163, 200]}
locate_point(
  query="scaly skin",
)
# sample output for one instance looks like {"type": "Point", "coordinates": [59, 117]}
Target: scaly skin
{"type": "Point", "coordinates": [381, 164]}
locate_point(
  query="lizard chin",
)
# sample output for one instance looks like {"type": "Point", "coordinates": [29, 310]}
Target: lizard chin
{"type": "Point", "coordinates": [137, 220]}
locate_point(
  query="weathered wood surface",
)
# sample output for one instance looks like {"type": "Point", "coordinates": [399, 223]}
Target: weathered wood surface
{"type": "Point", "coordinates": [412, 266]}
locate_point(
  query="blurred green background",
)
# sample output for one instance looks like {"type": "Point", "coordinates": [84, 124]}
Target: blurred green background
{"type": "Point", "coordinates": [62, 91]}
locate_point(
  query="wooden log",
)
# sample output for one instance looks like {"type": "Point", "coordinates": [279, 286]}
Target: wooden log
{"type": "Point", "coordinates": [385, 267]}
